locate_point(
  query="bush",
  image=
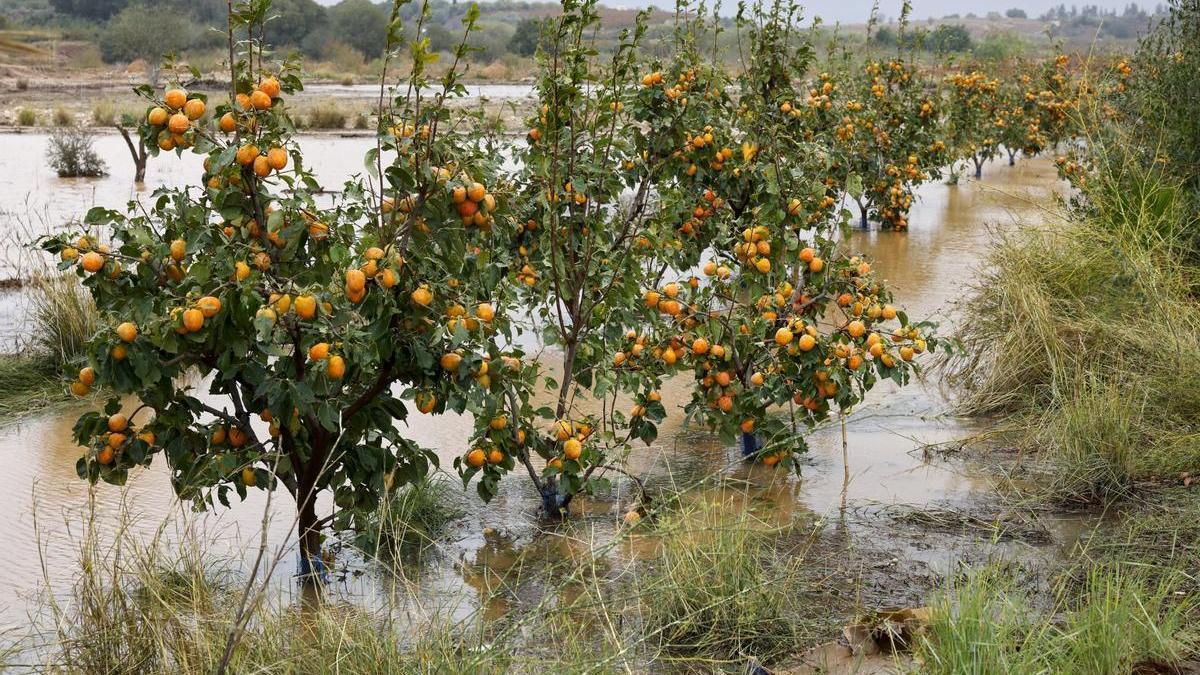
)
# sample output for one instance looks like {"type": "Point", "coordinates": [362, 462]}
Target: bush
{"type": "Point", "coordinates": [327, 115]}
{"type": "Point", "coordinates": [104, 114]}
{"type": "Point", "coordinates": [22, 84]}
{"type": "Point", "coordinates": [63, 117]}
{"type": "Point", "coordinates": [71, 154]}
{"type": "Point", "coordinates": [411, 518]}
{"type": "Point", "coordinates": [26, 117]}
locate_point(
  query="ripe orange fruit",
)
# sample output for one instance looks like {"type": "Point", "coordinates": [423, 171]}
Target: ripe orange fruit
{"type": "Point", "coordinates": [93, 261]}
{"type": "Point", "coordinates": [179, 123]}
{"type": "Point", "coordinates": [87, 375]}
{"type": "Point", "coordinates": [783, 336]}
{"type": "Point", "coordinates": [476, 458]}
{"type": "Point", "coordinates": [747, 425]}
{"type": "Point", "coordinates": [476, 192]}
{"type": "Point", "coordinates": [318, 352]}
{"type": "Point", "coordinates": [337, 367]}
{"type": "Point", "coordinates": [209, 306]}
{"type": "Point", "coordinates": [725, 403]}
{"type": "Point", "coordinates": [563, 430]}
{"type": "Point", "coordinates": [105, 456]}
{"type": "Point", "coordinates": [262, 167]}
{"type": "Point", "coordinates": [355, 280]}
{"type": "Point", "coordinates": [856, 328]}
{"type": "Point", "coordinates": [278, 158]}
{"type": "Point", "coordinates": [426, 401]}
{"type": "Point", "coordinates": [906, 353]}
{"type": "Point", "coordinates": [269, 86]}
{"type": "Point", "coordinates": [247, 154]}
{"type": "Point", "coordinates": [422, 296]}
{"type": "Point", "coordinates": [260, 100]}
{"type": "Point", "coordinates": [241, 270]}
{"type": "Point", "coordinates": [118, 422]}
{"type": "Point", "coordinates": [806, 342]}
{"type": "Point", "coordinates": [306, 307]}
{"type": "Point", "coordinates": [388, 278]}
{"type": "Point", "coordinates": [194, 109]}
{"type": "Point", "coordinates": [175, 98]}
{"type": "Point", "coordinates": [218, 436]}
{"type": "Point", "coordinates": [80, 389]}
{"type": "Point", "coordinates": [889, 312]}
{"type": "Point", "coordinates": [450, 362]}
{"type": "Point", "coordinates": [495, 456]}
{"type": "Point", "coordinates": [572, 449]}
{"type": "Point", "coordinates": [816, 265]}
{"type": "Point", "coordinates": [485, 312]}
{"type": "Point", "coordinates": [178, 250]}
{"type": "Point", "coordinates": [157, 117]}
{"type": "Point", "coordinates": [127, 331]}
{"type": "Point", "coordinates": [249, 477]}
{"type": "Point", "coordinates": [807, 254]}
{"type": "Point", "coordinates": [228, 123]}
{"type": "Point", "coordinates": [700, 346]}
{"type": "Point", "coordinates": [193, 320]}
{"type": "Point", "coordinates": [118, 352]}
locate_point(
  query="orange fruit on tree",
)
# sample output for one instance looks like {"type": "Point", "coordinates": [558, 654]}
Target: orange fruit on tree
{"type": "Point", "coordinates": [262, 167]}
{"type": "Point", "coordinates": [260, 100]}
{"type": "Point", "coordinates": [856, 328]}
{"type": "Point", "coordinates": [422, 296]}
{"type": "Point", "coordinates": [218, 436]}
{"type": "Point", "coordinates": [888, 312]}
{"type": "Point", "coordinates": [178, 250]}
{"type": "Point", "coordinates": [318, 352]}
{"type": "Point", "coordinates": [336, 368]}
{"type": "Point", "coordinates": [118, 422]}
{"type": "Point", "coordinates": [175, 98]}
{"type": "Point", "coordinates": [92, 261]}
{"type": "Point", "coordinates": [388, 278]}
{"type": "Point", "coordinates": [783, 336]}
{"type": "Point", "coordinates": [485, 312]}
{"type": "Point", "coordinates": [572, 449]}
{"type": "Point", "coordinates": [450, 362]}
{"type": "Point", "coordinates": [105, 456]}
{"type": "Point", "coordinates": [306, 307]}
{"type": "Point", "coordinates": [806, 342]}
{"type": "Point", "coordinates": [237, 437]}
{"type": "Point", "coordinates": [227, 123]}
{"type": "Point", "coordinates": [747, 425]}
{"type": "Point", "coordinates": [80, 389]}
{"type": "Point", "coordinates": [278, 158]}
{"type": "Point", "coordinates": [127, 331]}
{"type": "Point", "coordinates": [700, 346]}
{"type": "Point", "coordinates": [355, 280]}
{"type": "Point", "coordinates": [193, 320]}
{"type": "Point", "coordinates": [194, 109]}
{"type": "Point", "coordinates": [476, 458]}
{"type": "Point", "coordinates": [816, 265]}
{"type": "Point", "coordinates": [249, 477]}
{"type": "Point", "coordinates": [209, 305]}
{"type": "Point", "coordinates": [247, 154]}
{"type": "Point", "coordinates": [87, 375]}
{"type": "Point", "coordinates": [116, 440]}
{"type": "Point", "coordinates": [426, 401]}
{"type": "Point", "coordinates": [118, 353]}
{"type": "Point", "coordinates": [269, 86]}
{"type": "Point", "coordinates": [179, 123]}
{"type": "Point", "coordinates": [495, 456]}
{"type": "Point", "coordinates": [476, 191]}
{"type": "Point", "coordinates": [157, 117]}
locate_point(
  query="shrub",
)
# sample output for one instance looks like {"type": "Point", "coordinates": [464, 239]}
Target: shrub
{"type": "Point", "coordinates": [22, 83]}
{"type": "Point", "coordinates": [104, 114]}
{"type": "Point", "coordinates": [327, 115]}
{"type": "Point", "coordinates": [64, 318]}
{"type": "Point", "coordinates": [26, 117]}
{"type": "Point", "coordinates": [71, 154]}
{"type": "Point", "coordinates": [410, 518]}
{"type": "Point", "coordinates": [63, 117]}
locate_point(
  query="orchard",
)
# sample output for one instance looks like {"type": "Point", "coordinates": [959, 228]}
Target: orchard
{"type": "Point", "coordinates": [661, 219]}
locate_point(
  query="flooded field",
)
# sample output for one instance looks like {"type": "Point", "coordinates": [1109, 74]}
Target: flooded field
{"type": "Point", "coordinates": [929, 267]}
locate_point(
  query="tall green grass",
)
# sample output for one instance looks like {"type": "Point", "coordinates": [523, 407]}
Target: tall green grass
{"type": "Point", "coordinates": [1084, 334]}
{"type": "Point", "coordinates": [985, 625]}
{"type": "Point", "coordinates": [63, 317]}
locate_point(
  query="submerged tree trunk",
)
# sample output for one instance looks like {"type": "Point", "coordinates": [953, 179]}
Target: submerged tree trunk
{"type": "Point", "coordinates": [308, 530]}
{"type": "Point", "coordinates": [138, 153]}
{"type": "Point", "coordinates": [978, 166]}
{"type": "Point", "coordinates": [1012, 158]}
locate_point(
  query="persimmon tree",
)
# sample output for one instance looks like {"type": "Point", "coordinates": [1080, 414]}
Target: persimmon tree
{"type": "Point", "coordinates": [787, 325]}
{"type": "Point", "coordinates": [589, 226]}
{"type": "Point", "coordinates": [250, 296]}
{"type": "Point", "coordinates": [973, 99]}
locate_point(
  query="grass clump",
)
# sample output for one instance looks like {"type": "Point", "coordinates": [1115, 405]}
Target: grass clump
{"type": "Point", "coordinates": [327, 115]}
{"type": "Point", "coordinates": [720, 593]}
{"type": "Point", "coordinates": [104, 114]}
{"type": "Point", "coordinates": [1085, 335]}
{"type": "Point", "coordinates": [63, 318]}
{"type": "Point", "coordinates": [410, 519]}
{"type": "Point", "coordinates": [63, 117]}
{"type": "Point", "coordinates": [1120, 622]}
{"type": "Point", "coordinates": [26, 117]}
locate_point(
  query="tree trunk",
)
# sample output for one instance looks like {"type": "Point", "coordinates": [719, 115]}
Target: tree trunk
{"type": "Point", "coordinates": [312, 565]}
{"type": "Point", "coordinates": [138, 154]}
{"type": "Point", "coordinates": [1012, 158]}
{"type": "Point", "coordinates": [978, 167]}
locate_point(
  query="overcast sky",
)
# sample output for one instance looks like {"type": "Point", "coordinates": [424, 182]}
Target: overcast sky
{"type": "Point", "coordinates": [855, 11]}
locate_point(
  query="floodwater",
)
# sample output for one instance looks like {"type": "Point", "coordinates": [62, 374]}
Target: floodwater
{"type": "Point", "coordinates": [929, 267]}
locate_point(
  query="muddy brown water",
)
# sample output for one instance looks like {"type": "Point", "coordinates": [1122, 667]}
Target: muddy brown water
{"type": "Point", "coordinates": [930, 267]}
